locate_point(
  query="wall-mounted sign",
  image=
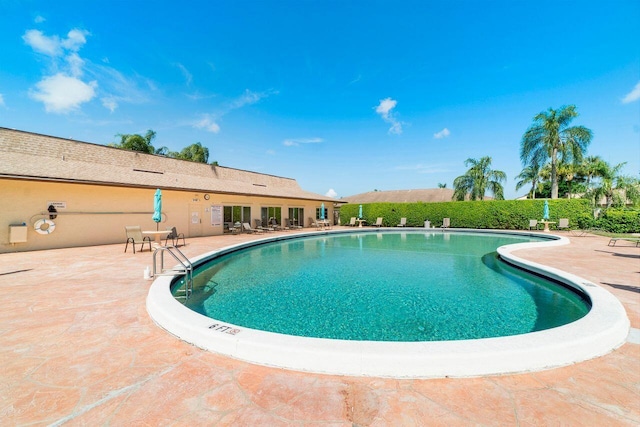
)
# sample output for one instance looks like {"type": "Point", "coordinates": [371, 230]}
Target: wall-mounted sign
{"type": "Point", "coordinates": [216, 216]}
{"type": "Point", "coordinates": [57, 205]}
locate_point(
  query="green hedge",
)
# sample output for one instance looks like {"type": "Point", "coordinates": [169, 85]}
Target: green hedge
{"type": "Point", "coordinates": [619, 221]}
{"type": "Point", "coordinates": [494, 214]}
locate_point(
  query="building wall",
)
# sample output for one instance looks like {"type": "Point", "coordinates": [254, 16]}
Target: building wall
{"type": "Point", "coordinates": [97, 214]}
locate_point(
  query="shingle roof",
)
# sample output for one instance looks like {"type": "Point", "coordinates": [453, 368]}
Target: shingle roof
{"type": "Point", "coordinates": [429, 195]}
{"type": "Point", "coordinates": [28, 155]}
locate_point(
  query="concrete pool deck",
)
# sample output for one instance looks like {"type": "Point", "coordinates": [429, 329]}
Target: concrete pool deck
{"type": "Point", "coordinates": [77, 347]}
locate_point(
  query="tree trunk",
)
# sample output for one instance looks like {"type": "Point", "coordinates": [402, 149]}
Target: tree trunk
{"type": "Point", "coordinates": [554, 174]}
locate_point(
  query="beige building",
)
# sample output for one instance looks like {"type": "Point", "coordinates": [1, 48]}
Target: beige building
{"type": "Point", "coordinates": [98, 190]}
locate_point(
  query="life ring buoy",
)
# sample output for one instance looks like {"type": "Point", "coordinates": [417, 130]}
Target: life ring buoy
{"type": "Point", "coordinates": [41, 228]}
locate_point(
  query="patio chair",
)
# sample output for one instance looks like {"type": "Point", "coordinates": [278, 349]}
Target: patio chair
{"type": "Point", "coordinates": [533, 223]}
{"type": "Point", "coordinates": [247, 227]}
{"type": "Point", "coordinates": [175, 237]}
{"type": "Point", "coordinates": [291, 224]}
{"type": "Point", "coordinates": [258, 226]}
{"type": "Point", "coordinates": [403, 222]}
{"type": "Point", "coordinates": [134, 236]}
{"type": "Point", "coordinates": [315, 223]}
{"type": "Point", "coordinates": [276, 226]}
{"type": "Point", "coordinates": [352, 221]}
{"type": "Point", "coordinates": [446, 222]}
{"type": "Point", "coordinates": [378, 222]}
{"type": "Point", "coordinates": [563, 224]}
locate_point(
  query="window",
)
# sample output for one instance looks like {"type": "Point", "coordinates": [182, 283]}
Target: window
{"type": "Point", "coordinates": [233, 214]}
{"type": "Point", "coordinates": [271, 212]}
{"type": "Point", "coordinates": [326, 212]}
{"type": "Point", "coordinates": [296, 215]}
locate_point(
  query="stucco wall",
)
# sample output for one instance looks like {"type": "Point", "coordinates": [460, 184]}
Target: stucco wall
{"type": "Point", "coordinates": [97, 214]}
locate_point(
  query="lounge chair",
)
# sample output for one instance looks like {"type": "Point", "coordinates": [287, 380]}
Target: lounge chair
{"type": "Point", "coordinates": [259, 226]}
{"type": "Point", "coordinates": [352, 221]}
{"type": "Point", "coordinates": [533, 224]}
{"type": "Point", "coordinates": [315, 223]}
{"type": "Point", "coordinates": [446, 222]}
{"type": "Point", "coordinates": [175, 238]}
{"type": "Point", "coordinates": [563, 224]}
{"type": "Point", "coordinates": [274, 224]}
{"type": "Point", "coordinates": [403, 222]}
{"type": "Point", "coordinates": [247, 227]}
{"type": "Point", "coordinates": [291, 224]}
{"type": "Point", "coordinates": [134, 236]}
{"type": "Point", "coordinates": [378, 222]}
{"type": "Point", "coordinates": [614, 240]}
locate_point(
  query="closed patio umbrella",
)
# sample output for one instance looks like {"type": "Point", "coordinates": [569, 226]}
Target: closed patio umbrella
{"type": "Point", "coordinates": [322, 211]}
{"type": "Point", "coordinates": [360, 212]}
{"type": "Point", "coordinates": [157, 207]}
{"type": "Point", "coordinates": [545, 211]}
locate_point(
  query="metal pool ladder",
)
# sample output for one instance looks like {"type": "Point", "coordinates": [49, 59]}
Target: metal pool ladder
{"type": "Point", "coordinates": [184, 268]}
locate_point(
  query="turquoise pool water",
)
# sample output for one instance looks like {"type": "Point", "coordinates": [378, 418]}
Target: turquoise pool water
{"type": "Point", "coordinates": [387, 286]}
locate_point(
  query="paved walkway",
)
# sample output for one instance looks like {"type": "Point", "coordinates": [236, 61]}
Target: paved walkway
{"type": "Point", "coordinates": [78, 348]}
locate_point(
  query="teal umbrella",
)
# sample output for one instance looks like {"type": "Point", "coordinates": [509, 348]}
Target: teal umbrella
{"type": "Point", "coordinates": [545, 211]}
{"type": "Point", "coordinates": [322, 211]}
{"type": "Point", "coordinates": [360, 212]}
{"type": "Point", "coordinates": [157, 207]}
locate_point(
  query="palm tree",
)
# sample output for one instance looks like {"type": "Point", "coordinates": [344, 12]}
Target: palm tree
{"type": "Point", "coordinates": [478, 179]}
{"type": "Point", "coordinates": [442, 185]}
{"type": "Point", "coordinates": [136, 142]}
{"type": "Point", "coordinates": [551, 137]}
{"type": "Point", "coordinates": [591, 166]}
{"type": "Point", "coordinates": [529, 175]}
{"type": "Point", "coordinates": [616, 188]}
{"type": "Point", "coordinates": [194, 152]}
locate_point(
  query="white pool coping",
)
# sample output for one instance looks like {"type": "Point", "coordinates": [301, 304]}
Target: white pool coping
{"type": "Point", "coordinates": [602, 330]}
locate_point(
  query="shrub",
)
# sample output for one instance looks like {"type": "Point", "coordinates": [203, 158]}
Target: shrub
{"type": "Point", "coordinates": [620, 221]}
{"type": "Point", "coordinates": [493, 214]}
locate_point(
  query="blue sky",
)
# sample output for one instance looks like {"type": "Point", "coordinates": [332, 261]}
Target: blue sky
{"type": "Point", "coordinates": [345, 97]}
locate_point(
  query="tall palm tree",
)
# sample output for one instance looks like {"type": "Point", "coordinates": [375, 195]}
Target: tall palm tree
{"type": "Point", "coordinates": [529, 175]}
{"type": "Point", "coordinates": [551, 137]}
{"type": "Point", "coordinates": [614, 187]}
{"type": "Point", "coordinates": [478, 179]}
{"type": "Point", "coordinates": [591, 165]}
{"type": "Point", "coordinates": [137, 142]}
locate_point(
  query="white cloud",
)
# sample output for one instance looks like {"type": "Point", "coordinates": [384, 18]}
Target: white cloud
{"type": "Point", "coordinates": [207, 124]}
{"type": "Point", "coordinates": [384, 109]}
{"type": "Point", "coordinates": [61, 93]}
{"type": "Point", "coordinates": [271, 152]}
{"type": "Point", "coordinates": [2, 104]}
{"type": "Point", "coordinates": [39, 19]}
{"type": "Point", "coordinates": [43, 44]}
{"type": "Point", "coordinates": [187, 75]}
{"type": "Point", "coordinates": [331, 193]}
{"type": "Point", "coordinates": [75, 39]}
{"type": "Point", "coordinates": [442, 134]}
{"type": "Point", "coordinates": [634, 95]}
{"type": "Point", "coordinates": [110, 103]}
{"type": "Point", "coordinates": [54, 46]}
{"type": "Point", "coordinates": [75, 64]}
{"type": "Point", "coordinates": [298, 141]}
{"type": "Point", "coordinates": [248, 98]}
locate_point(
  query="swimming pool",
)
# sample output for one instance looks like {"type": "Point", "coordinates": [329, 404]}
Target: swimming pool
{"type": "Point", "coordinates": [602, 329]}
{"type": "Point", "coordinates": [383, 286]}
